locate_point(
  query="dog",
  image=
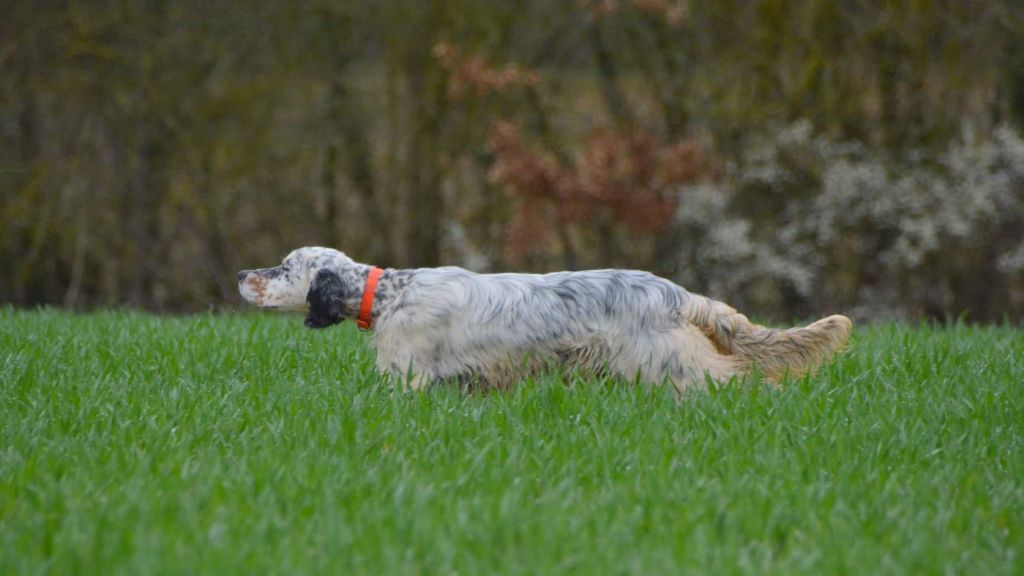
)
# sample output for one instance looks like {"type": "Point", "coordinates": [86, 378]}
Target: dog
{"type": "Point", "coordinates": [493, 330]}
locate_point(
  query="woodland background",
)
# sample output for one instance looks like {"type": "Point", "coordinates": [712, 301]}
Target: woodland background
{"type": "Point", "coordinates": [791, 157]}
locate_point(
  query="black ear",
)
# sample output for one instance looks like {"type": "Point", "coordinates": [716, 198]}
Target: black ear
{"type": "Point", "coordinates": [326, 299]}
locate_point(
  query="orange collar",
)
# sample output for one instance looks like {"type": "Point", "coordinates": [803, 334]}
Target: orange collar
{"type": "Point", "coordinates": [363, 321]}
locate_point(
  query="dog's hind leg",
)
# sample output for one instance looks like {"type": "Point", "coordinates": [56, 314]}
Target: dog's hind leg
{"type": "Point", "coordinates": [682, 355]}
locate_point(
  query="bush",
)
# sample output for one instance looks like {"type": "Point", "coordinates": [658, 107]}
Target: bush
{"type": "Point", "coordinates": [800, 223]}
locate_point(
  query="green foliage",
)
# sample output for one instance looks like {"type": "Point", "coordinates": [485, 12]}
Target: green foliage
{"type": "Point", "coordinates": [247, 444]}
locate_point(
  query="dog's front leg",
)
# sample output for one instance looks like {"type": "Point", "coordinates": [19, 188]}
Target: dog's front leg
{"type": "Point", "coordinates": [409, 378]}
{"type": "Point", "coordinates": [405, 368]}
{"type": "Point", "coordinates": [409, 353]}
{"type": "Point", "coordinates": [418, 381]}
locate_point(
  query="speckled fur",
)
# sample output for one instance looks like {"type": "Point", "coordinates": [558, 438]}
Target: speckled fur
{"type": "Point", "coordinates": [434, 324]}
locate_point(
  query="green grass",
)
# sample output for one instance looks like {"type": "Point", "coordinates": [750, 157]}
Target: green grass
{"type": "Point", "coordinates": [135, 444]}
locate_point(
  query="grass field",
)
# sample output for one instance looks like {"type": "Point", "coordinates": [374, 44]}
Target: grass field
{"type": "Point", "coordinates": [135, 444]}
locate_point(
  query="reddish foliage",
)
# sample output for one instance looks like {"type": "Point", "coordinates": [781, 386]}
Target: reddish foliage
{"type": "Point", "coordinates": [631, 177]}
{"type": "Point", "coordinates": [517, 167]}
{"type": "Point", "coordinates": [473, 75]}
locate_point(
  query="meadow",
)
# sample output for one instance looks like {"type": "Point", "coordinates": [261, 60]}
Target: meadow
{"type": "Point", "coordinates": [246, 444]}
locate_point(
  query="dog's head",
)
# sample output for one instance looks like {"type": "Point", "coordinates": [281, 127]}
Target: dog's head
{"type": "Point", "coordinates": [320, 280]}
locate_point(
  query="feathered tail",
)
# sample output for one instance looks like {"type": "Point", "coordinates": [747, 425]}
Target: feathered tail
{"type": "Point", "coordinates": [775, 352]}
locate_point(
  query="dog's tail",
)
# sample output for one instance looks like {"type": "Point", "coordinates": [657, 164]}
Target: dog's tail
{"type": "Point", "coordinates": [774, 352]}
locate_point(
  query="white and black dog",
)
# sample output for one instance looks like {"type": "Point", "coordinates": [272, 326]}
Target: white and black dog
{"type": "Point", "coordinates": [437, 324]}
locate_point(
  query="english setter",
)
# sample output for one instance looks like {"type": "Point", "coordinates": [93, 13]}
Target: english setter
{"type": "Point", "coordinates": [436, 324]}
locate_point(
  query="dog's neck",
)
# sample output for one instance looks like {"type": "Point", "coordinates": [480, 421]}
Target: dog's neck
{"type": "Point", "coordinates": [390, 285]}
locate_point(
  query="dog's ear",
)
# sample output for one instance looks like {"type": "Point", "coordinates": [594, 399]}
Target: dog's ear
{"type": "Point", "coordinates": [326, 299]}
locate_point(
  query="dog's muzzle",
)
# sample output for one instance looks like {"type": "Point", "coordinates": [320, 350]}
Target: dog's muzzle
{"type": "Point", "coordinates": [251, 287]}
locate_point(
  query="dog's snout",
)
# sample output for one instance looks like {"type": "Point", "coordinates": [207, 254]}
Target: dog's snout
{"type": "Point", "coordinates": [241, 275]}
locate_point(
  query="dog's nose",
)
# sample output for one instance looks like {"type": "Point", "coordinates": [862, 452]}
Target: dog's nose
{"type": "Point", "coordinates": [241, 276]}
